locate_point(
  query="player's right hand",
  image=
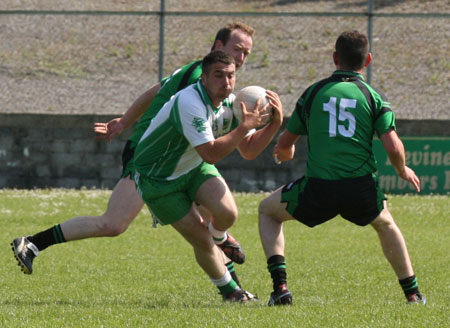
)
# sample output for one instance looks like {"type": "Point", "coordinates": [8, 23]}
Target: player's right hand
{"type": "Point", "coordinates": [283, 156]}
{"type": "Point", "coordinates": [107, 131]}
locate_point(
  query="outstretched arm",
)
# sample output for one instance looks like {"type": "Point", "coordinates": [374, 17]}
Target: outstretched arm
{"type": "Point", "coordinates": [254, 144]}
{"type": "Point", "coordinates": [396, 152]}
{"type": "Point", "coordinates": [115, 127]}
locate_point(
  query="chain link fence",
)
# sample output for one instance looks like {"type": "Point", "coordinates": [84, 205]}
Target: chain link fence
{"type": "Point", "coordinates": [58, 58]}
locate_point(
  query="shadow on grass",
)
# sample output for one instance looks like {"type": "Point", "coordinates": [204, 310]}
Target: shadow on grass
{"type": "Point", "coordinates": [153, 305]}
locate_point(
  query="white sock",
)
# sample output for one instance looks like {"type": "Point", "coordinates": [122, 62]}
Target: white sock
{"type": "Point", "coordinates": [222, 281]}
{"type": "Point", "coordinates": [218, 236]}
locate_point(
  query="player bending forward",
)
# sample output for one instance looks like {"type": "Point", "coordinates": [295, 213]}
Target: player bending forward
{"type": "Point", "coordinates": [175, 156]}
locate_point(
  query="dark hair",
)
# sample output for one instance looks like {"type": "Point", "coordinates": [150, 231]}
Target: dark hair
{"type": "Point", "coordinates": [352, 48]}
{"type": "Point", "coordinates": [216, 56]}
{"type": "Point", "coordinates": [224, 33]}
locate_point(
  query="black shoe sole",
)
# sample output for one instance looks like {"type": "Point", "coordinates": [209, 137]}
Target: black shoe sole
{"type": "Point", "coordinates": [23, 267]}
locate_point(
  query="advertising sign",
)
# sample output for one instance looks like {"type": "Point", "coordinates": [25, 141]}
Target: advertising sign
{"type": "Point", "coordinates": [429, 157]}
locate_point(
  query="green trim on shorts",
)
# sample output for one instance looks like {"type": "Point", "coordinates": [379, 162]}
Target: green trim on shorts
{"type": "Point", "coordinates": [170, 201]}
{"type": "Point", "coordinates": [381, 197]}
{"type": "Point", "coordinates": [290, 194]}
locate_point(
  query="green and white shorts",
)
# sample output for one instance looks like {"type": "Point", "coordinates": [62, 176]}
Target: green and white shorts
{"type": "Point", "coordinates": [170, 201]}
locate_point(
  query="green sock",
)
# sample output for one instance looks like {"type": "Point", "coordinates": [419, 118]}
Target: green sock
{"type": "Point", "coordinates": [226, 284]}
{"type": "Point", "coordinates": [228, 288]}
{"type": "Point", "coordinates": [230, 267]}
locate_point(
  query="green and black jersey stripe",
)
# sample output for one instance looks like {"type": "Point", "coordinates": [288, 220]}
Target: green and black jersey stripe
{"type": "Point", "coordinates": [340, 115]}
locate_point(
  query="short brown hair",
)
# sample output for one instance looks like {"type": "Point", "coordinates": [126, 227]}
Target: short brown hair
{"type": "Point", "coordinates": [224, 33]}
{"type": "Point", "coordinates": [352, 48]}
{"type": "Point", "coordinates": [216, 56]}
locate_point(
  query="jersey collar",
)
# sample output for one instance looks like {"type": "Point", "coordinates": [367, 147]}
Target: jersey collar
{"type": "Point", "coordinates": [205, 97]}
{"type": "Point", "coordinates": [348, 74]}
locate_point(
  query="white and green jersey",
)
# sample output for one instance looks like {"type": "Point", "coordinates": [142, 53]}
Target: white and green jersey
{"type": "Point", "coordinates": [166, 149]}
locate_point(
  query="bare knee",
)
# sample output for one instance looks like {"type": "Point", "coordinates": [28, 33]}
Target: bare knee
{"type": "Point", "coordinates": [384, 222]}
{"type": "Point", "coordinates": [225, 218]}
{"type": "Point", "coordinates": [271, 205]}
{"type": "Point", "coordinates": [263, 208]}
{"type": "Point", "coordinates": [232, 214]}
{"type": "Point", "coordinates": [113, 226]}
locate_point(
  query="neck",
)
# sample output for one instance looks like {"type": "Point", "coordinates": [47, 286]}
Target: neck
{"type": "Point", "coordinates": [341, 68]}
{"type": "Point", "coordinates": [215, 101]}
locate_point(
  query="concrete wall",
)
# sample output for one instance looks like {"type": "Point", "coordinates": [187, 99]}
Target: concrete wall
{"type": "Point", "coordinates": [56, 151]}
{"type": "Point", "coordinates": [61, 151]}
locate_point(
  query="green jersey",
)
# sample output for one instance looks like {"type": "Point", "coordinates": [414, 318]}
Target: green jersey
{"type": "Point", "coordinates": [340, 115]}
{"type": "Point", "coordinates": [166, 150]}
{"type": "Point", "coordinates": [179, 80]}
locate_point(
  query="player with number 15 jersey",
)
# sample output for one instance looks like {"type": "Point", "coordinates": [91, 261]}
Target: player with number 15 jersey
{"type": "Point", "coordinates": [337, 123]}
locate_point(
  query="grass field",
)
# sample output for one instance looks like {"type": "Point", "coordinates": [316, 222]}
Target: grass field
{"type": "Point", "coordinates": [147, 277]}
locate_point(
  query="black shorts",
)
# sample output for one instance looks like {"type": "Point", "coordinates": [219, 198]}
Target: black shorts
{"type": "Point", "coordinates": [314, 201]}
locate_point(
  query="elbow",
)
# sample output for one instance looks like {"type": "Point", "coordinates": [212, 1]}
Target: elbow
{"type": "Point", "coordinates": [249, 155]}
{"type": "Point", "coordinates": [209, 159]}
{"type": "Point", "coordinates": [250, 158]}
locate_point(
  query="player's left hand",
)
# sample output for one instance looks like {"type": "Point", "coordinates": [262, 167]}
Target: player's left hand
{"type": "Point", "coordinates": [107, 131]}
{"type": "Point", "coordinates": [252, 119]}
{"type": "Point", "coordinates": [409, 175]}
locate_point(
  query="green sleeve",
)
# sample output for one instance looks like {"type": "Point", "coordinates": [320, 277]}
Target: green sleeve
{"type": "Point", "coordinates": [385, 122]}
{"type": "Point", "coordinates": [295, 124]}
{"type": "Point", "coordinates": [384, 117]}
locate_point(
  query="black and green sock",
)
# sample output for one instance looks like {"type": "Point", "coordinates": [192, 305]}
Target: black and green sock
{"type": "Point", "coordinates": [230, 267]}
{"type": "Point", "coordinates": [409, 285]}
{"type": "Point", "coordinates": [277, 268]}
{"type": "Point", "coordinates": [49, 237]}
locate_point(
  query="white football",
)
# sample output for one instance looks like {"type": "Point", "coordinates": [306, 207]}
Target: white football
{"type": "Point", "coordinates": [249, 95]}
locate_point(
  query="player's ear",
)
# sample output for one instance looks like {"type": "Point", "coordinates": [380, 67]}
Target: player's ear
{"type": "Point", "coordinates": [335, 58]}
{"type": "Point", "coordinates": [368, 59]}
{"type": "Point", "coordinates": [203, 77]}
{"type": "Point", "coordinates": [218, 45]}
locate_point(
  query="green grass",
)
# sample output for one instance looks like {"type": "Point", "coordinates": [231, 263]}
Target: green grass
{"type": "Point", "coordinates": [147, 277]}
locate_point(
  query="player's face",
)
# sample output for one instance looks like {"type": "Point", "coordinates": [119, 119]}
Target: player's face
{"type": "Point", "coordinates": [219, 81]}
{"type": "Point", "coordinates": [238, 46]}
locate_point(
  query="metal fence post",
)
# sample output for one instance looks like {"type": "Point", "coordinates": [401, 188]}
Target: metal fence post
{"type": "Point", "coordinates": [161, 39]}
{"type": "Point", "coordinates": [369, 36]}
